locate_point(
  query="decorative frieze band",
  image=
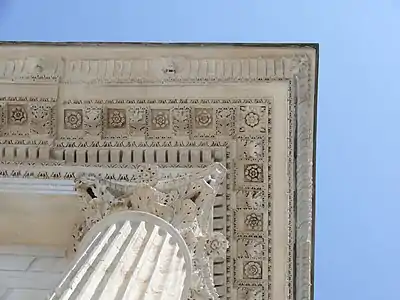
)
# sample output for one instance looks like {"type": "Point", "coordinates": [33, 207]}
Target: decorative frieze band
{"type": "Point", "coordinates": [305, 182]}
{"type": "Point", "coordinates": [39, 136]}
{"type": "Point", "coordinates": [175, 69]}
{"type": "Point", "coordinates": [151, 70]}
{"type": "Point", "coordinates": [139, 119]}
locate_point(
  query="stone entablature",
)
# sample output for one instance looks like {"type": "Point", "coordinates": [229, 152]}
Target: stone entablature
{"type": "Point", "coordinates": [109, 110]}
{"type": "Point", "coordinates": [173, 67]}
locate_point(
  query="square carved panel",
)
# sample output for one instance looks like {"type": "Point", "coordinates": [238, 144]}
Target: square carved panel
{"type": "Point", "coordinates": [17, 114]}
{"type": "Point", "coordinates": [22, 117]}
{"type": "Point", "coordinates": [249, 108]}
{"type": "Point", "coordinates": [73, 119]}
{"type": "Point", "coordinates": [116, 118]}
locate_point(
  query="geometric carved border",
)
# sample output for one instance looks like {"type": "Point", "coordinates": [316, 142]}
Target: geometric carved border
{"type": "Point", "coordinates": [246, 216]}
{"type": "Point", "coordinates": [110, 128]}
{"type": "Point", "coordinates": [248, 161]}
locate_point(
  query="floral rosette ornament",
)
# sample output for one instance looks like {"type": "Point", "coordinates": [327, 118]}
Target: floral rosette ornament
{"type": "Point", "coordinates": [217, 245]}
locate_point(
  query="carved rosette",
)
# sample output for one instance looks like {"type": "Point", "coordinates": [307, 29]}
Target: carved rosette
{"type": "Point", "coordinates": [116, 134]}
{"type": "Point", "coordinates": [186, 203]}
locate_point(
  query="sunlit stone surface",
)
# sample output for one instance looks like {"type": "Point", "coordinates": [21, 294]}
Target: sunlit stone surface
{"type": "Point", "coordinates": [137, 257]}
{"type": "Point", "coordinates": [112, 114]}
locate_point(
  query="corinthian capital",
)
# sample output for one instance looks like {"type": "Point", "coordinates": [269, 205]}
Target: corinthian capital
{"type": "Point", "coordinates": [184, 202]}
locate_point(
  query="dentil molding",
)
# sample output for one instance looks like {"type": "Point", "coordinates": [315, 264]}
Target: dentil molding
{"type": "Point", "coordinates": [111, 110]}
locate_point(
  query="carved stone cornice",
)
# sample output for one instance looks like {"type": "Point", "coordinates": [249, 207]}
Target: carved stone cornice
{"type": "Point", "coordinates": [67, 133]}
{"type": "Point", "coordinates": [173, 69]}
{"type": "Point", "coordinates": [305, 181]}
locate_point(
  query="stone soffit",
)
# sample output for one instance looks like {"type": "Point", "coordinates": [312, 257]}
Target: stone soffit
{"type": "Point", "coordinates": [108, 109]}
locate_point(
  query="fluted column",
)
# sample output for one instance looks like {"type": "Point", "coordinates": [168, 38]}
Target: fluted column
{"type": "Point", "coordinates": [129, 256]}
{"type": "Point", "coordinates": [160, 247]}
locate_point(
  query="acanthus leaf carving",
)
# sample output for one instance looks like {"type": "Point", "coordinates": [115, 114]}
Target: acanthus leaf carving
{"type": "Point", "coordinates": [42, 119]}
{"type": "Point", "coordinates": [92, 121]}
{"type": "Point", "coordinates": [184, 202]}
{"type": "Point", "coordinates": [199, 71]}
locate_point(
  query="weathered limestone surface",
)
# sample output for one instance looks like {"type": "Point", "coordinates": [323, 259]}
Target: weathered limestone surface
{"type": "Point", "coordinates": [113, 110]}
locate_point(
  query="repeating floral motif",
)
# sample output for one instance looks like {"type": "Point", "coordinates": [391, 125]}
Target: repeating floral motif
{"type": "Point", "coordinates": [160, 119]}
{"type": "Point", "coordinates": [248, 121]}
{"type": "Point", "coordinates": [252, 270]}
{"type": "Point", "coordinates": [179, 120]}
{"type": "Point", "coordinates": [73, 119]}
{"type": "Point", "coordinates": [116, 118]}
{"type": "Point", "coordinates": [204, 123]}
{"type": "Point", "coordinates": [142, 120]}
{"type": "Point", "coordinates": [17, 114]}
{"type": "Point", "coordinates": [25, 116]}
{"type": "Point", "coordinates": [254, 221]}
{"type": "Point", "coordinates": [253, 119]}
{"type": "Point", "coordinates": [203, 117]}
{"type": "Point", "coordinates": [254, 173]}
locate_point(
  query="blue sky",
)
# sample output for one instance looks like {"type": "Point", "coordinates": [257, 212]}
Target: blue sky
{"type": "Point", "coordinates": [357, 244]}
